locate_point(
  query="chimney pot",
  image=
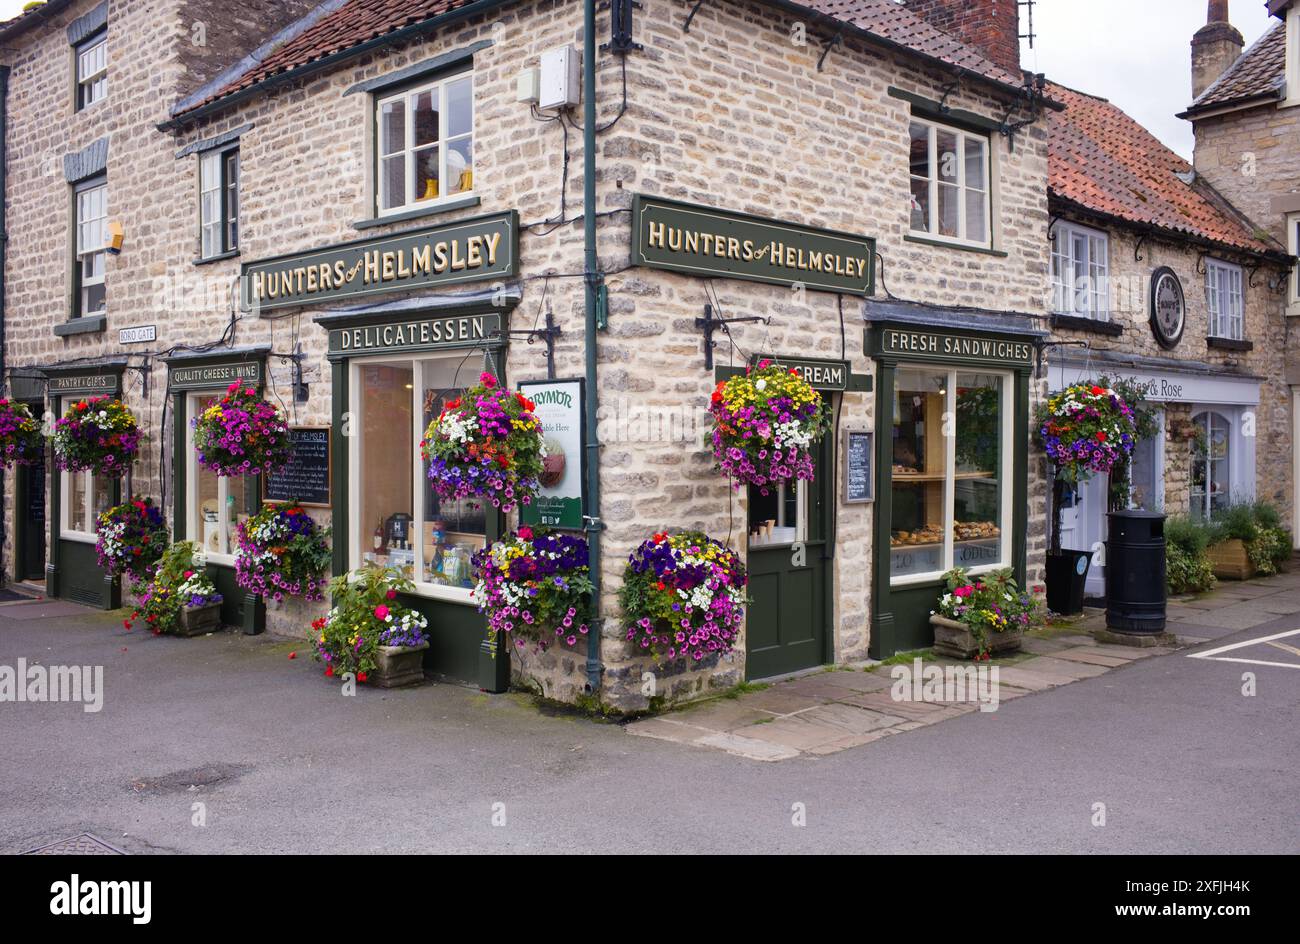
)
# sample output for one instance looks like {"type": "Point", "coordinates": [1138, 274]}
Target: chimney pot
{"type": "Point", "coordinates": [1215, 47]}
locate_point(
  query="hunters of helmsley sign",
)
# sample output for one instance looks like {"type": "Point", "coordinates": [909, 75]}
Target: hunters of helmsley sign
{"type": "Point", "coordinates": [484, 247]}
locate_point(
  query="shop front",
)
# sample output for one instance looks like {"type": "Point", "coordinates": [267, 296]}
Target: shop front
{"type": "Point", "coordinates": [78, 498]}
{"type": "Point", "coordinates": [952, 419]}
{"type": "Point", "coordinates": [30, 522]}
{"type": "Point", "coordinates": [207, 508]}
{"type": "Point", "coordinates": [1201, 459]}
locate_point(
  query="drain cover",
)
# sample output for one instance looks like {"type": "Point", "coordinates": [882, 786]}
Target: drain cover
{"type": "Point", "coordinates": [85, 844]}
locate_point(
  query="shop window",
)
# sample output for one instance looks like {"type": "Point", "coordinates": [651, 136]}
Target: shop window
{"type": "Point", "coordinates": [951, 472]}
{"type": "Point", "coordinates": [780, 516]}
{"type": "Point", "coordinates": [218, 202]}
{"type": "Point", "coordinates": [1079, 272]}
{"type": "Point", "coordinates": [1211, 488]}
{"type": "Point", "coordinates": [215, 505]}
{"type": "Point", "coordinates": [425, 144]}
{"type": "Point", "coordinates": [91, 201]}
{"type": "Point", "coordinates": [1224, 297]}
{"type": "Point", "coordinates": [92, 71]}
{"type": "Point", "coordinates": [400, 521]}
{"type": "Point", "coordinates": [949, 183]}
{"type": "Point", "coordinates": [85, 497]}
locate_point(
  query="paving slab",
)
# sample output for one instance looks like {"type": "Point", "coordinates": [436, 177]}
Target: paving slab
{"type": "Point", "coordinates": [1090, 656]}
{"type": "Point", "coordinates": [853, 740]}
{"type": "Point", "coordinates": [752, 748]}
{"type": "Point", "coordinates": [1050, 665]}
{"type": "Point", "coordinates": [782, 702]}
{"type": "Point", "coordinates": [856, 681]}
{"type": "Point", "coordinates": [909, 710]}
{"type": "Point", "coordinates": [724, 715]}
{"type": "Point", "coordinates": [853, 720]}
{"type": "Point", "coordinates": [1030, 681]}
{"type": "Point", "coordinates": [666, 729]}
{"type": "Point", "coordinates": [1042, 646]}
{"type": "Point", "coordinates": [793, 732]}
{"type": "Point", "coordinates": [1281, 604]}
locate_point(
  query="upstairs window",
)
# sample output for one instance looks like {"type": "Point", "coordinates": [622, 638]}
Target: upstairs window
{"type": "Point", "coordinates": [1225, 300]}
{"type": "Point", "coordinates": [92, 71]}
{"type": "Point", "coordinates": [1079, 272]}
{"type": "Point", "coordinates": [91, 200]}
{"type": "Point", "coordinates": [1293, 246]}
{"type": "Point", "coordinates": [218, 202]}
{"type": "Point", "coordinates": [425, 144]}
{"type": "Point", "coordinates": [949, 173]}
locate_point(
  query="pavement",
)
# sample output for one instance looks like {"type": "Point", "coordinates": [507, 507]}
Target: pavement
{"type": "Point", "coordinates": [225, 744]}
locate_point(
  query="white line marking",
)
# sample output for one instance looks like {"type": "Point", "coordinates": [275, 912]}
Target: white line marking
{"type": "Point", "coordinates": [1284, 647]}
{"type": "Point", "coordinates": [1213, 654]}
{"type": "Point", "coordinates": [1283, 665]}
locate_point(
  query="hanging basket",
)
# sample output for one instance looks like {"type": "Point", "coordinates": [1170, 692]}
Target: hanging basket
{"type": "Point", "coordinates": [765, 425]}
{"type": "Point", "coordinates": [131, 538]}
{"type": "Point", "coordinates": [241, 434]}
{"type": "Point", "coordinates": [98, 434]}
{"type": "Point", "coordinates": [21, 442]}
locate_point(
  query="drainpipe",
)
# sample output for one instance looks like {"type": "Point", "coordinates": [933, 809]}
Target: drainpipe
{"type": "Point", "coordinates": [592, 279]}
{"type": "Point", "coordinates": [4, 238]}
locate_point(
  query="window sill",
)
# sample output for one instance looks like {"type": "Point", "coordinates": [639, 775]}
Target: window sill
{"type": "Point", "coordinates": [1089, 325]}
{"type": "Point", "coordinates": [78, 536]}
{"type": "Point", "coordinates": [948, 244]}
{"type": "Point", "coordinates": [458, 203]}
{"type": "Point", "coordinates": [87, 324]}
{"type": "Point", "coordinates": [205, 260]}
{"type": "Point", "coordinates": [1229, 344]}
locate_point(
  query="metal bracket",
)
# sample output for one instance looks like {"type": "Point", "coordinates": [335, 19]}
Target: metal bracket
{"type": "Point", "coordinates": [547, 334]}
{"type": "Point", "coordinates": [1052, 220]}
{"type": "Point", "coordinates": [1137, 248]}
{"type": "Point", "coordinates": [1200, 263]}
{"type": "Point", "coordinates": [1042, 346]}
{"type": "Point", "coordinates": [686, 27]}
{"type": "Point", "coordinates": [620, 27]}
{"type": "Point", "coordinates": [831, 44]}
{"type": "Point", "coordinates": [711, 324]}
{"type": "Point", "coordinates": [1250, 279]}
{"type": "Point", "coordinates": [948, 89]}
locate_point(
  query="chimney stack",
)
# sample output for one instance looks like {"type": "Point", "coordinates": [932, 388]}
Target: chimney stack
{"type": "Point", "coordinates": [1215, 46]}
{"type": "Point", "coordinates": [992, 27]}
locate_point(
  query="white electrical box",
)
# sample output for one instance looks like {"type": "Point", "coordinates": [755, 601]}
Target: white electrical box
{"type": "Point", "coordinates": [559, 83]}
{"type": "Point", "coordinates": [526, 87]}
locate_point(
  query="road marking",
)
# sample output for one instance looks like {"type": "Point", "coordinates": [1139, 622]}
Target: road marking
{"type": "Point", "coordinates": [1213, 654]}
{"type": "Point", "coordinates": [1284, 647]}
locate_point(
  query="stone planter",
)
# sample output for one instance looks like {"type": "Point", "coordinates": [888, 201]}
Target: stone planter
{"type": "Point", "coordinates": [1230, 561]}
{"type": "Point", "coordinates": [398, 665]}
{"type": "Point", "coordinates": [952, 638]}
{"type": "Point", "coordinates": [200, 620]}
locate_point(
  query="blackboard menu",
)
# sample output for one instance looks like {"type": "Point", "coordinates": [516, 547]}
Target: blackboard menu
{"type": "Point", "coordinates": [306, 476]}
{"type": "Point", "coordinates": [859, 455]}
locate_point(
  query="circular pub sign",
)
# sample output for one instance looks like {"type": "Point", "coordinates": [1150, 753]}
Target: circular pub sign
{"type": "Point", "coordinates": [1168, 307]}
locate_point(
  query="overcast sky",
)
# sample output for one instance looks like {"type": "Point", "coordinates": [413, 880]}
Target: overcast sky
{"type": "Point", "coordinates": [1134, 52]}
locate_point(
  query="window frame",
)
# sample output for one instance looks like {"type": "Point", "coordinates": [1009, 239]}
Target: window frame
{"type": "Point", "coordinates": [407, 94]}
{"type": "Point", "coordinates": [66, 532]}
{"type": "Point", "coordinates": [963, 188]}
{"type": "Point", "coordinates": [1215, 271]}
{"type": "Point", "coordinates": [193, 527]}
{"type": "Point", "coordinates": [1205, 417]}
{"type": "Point", "coordinates": [1006, 473]}
{"type": "Point", "coordinates": [80, 283]}
{"type": "Point", "coordinates": [226, 190]}
{"type": "Point", "coordinates": [84, 86]}
{"type": "Point", "coordinates": [358, 538]}
{"type": "Point", "coordinates": [1293, 246]}
{"type": "Point", "coordinates": [1098, 291]}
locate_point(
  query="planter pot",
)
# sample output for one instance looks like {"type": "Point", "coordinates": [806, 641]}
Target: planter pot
{"type": "Point", "coordinates": [1066, 574]}
{"type": "Point", "coordinates": [952, 638]}
{"type": "Point", "coordinates": [1229, 560]}
{"type": "Point", "coordinates": [200, 620]}
{"type": "Point", "coordinates": [399, 665]}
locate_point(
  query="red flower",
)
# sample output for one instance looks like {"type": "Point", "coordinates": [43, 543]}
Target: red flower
{"type": "Point", "coordinates": [329, 671]}
{"type": "Point", "coordinates": [391, 594]}
{"type": "Point", "coordinates": [487, 380]}
{"type": "Point", "coordinates": [293, 655]}
{"type": "Point", "coordinates": [1101, 436]}
{"type": "Point", "coordinates": [451, 405]}
{"type": "Point", "coordinates": [361, 676]}
{"type": "Point", "coordinates": [526, 533]}
{"type": "Point", "coordinates": [660, 538]}
{"type": "Point", "coordinates": [1097, 391]}
{"type": "Point", "coordinates": [660, 585]}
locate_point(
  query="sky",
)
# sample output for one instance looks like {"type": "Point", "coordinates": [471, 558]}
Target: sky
{"type": "Point", "coordinates": [1134, 52]}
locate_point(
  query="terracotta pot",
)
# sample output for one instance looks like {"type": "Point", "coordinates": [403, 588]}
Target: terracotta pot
{"type": "Point", "coordinates": [398, 665]}
{"type": "Point", "coordinates": [952, 638]}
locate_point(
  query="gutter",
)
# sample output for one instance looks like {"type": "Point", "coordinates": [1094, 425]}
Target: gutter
{"type": "Point", "coordinates": [328, 62]}
{"type": "Point", "coordinates": [1231, 105]}
{"type": "Point", "coordinates": [593, 281]}
{"type": "Point", "coordinates": [4, 246]}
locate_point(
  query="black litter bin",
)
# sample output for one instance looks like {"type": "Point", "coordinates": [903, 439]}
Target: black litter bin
{"type": "Point", "coordinates": [1135, 573]}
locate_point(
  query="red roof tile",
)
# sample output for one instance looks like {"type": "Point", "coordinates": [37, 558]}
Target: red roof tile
{"type": "Point", "coordinates": [1260, 71]}
{"type": "Point", "coordinates": [1102, 160]}
{"type": "Point", "coordinates": [358, 21]}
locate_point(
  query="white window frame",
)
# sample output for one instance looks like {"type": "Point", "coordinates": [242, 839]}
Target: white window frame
{"type": "Point", "coordinates": [1007, 454]}
{"type": "Point", "coordinates": [90, 231]}
{"type": "Point", "coordinates": [358, 538]}
{"type": "Point", "coordinates": [91, 86]}
{"type": "Point", "coordinates": [215, 186]}
{"type": "Point", "coordinates": [408, 97]}
{"type": "Point", "coordinates": [1224, 286]}
{"type": "Point", "coordinates": [1092, 299]}
{"type": "Point", "coordinates": [1204, 416]}
{"type": "Point", "coordinates": [1293, 247]}
{"type": "Point", "coordinates": [193, 522]}
{"type": "Point", "coordinates": [963, 186]}
{"type": "Point", "coordinates": [65, 517]}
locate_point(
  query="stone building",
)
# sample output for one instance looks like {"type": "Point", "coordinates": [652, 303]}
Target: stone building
{"type": "Point", "coordinates": [902, 174]}
{"type": "Point", "coordinates": [1156, 279]}
{"type": "Point", "coordinates": [1247, 126]}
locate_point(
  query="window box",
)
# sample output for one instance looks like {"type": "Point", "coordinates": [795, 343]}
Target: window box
{"type": "Point", "coordinates": [92, 324]}
{"type": "Point", "coordinates": [1229, 344]}
{"type": "Point", "coordinates": [949, 181]}
{"type": "Point", "coordinates": [953, 638]}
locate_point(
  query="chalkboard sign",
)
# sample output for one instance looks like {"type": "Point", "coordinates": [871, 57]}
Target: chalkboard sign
{"type": "Point", "coordinates": [859, 466]}
{"type": "Point", "coordinates": [306, 476]}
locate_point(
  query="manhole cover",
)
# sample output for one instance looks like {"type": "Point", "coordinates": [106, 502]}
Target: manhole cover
{"type": "Point", "coordinates": [85, 844]}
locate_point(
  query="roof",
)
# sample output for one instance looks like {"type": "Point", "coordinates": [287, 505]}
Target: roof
{"type": "Point", "coordinates": [33, 17]}
{"type": "Point", "coordinates": [1258, 73]}
{"type": "Point", "coordinates": [341, 28]}
{"type": "Point", "coordinates": [1102, 161]}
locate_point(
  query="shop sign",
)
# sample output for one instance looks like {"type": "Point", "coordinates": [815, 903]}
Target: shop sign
{"type": "Point", "coordinates": [484, 247]}
{"type": "Point", "coordinates": [703, 241]}
{"type": "Point", "coordinates": [418, 334]}
{"type": "Point", "coordinates": [215, 375]}
{"type": "Point", "coordinates": [75, 384]}
{"type": "Point", "coordinates": [559, 407]}
{"type": "Point", "coordinates": [820, 374]}
{"type": "Point", "coordinates": [859, 471]}
{"type": "Point", "coordinates": [1168, 308]}
{"type": "Point", "coordinates": [137, 335]}
{"type": "Point", "coordinates": [962, 348]}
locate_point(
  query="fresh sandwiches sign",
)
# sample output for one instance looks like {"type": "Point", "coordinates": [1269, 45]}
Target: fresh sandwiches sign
{"type": "Point", "coordinates": [700, 240]}
{"type": "Point", "coordinates": [484, 247]}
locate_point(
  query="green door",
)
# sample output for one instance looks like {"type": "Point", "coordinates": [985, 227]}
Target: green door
{"type": "Point", "coordinates": [785, 627]}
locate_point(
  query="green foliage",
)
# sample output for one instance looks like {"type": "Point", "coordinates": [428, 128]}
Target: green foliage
{"type": "Point", "coordinates": [1258, 525]}
{"type": "Point", "coordinates": [1190, 535]}
{"type": "Point", "coordinates": [1186, 571]}
{"type": "Point", "coordinates": [176, 583]}
{"type": "Point", "coordinates": [365, 616]}
{"type": "Point", "coordinates": [1237, 522]}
